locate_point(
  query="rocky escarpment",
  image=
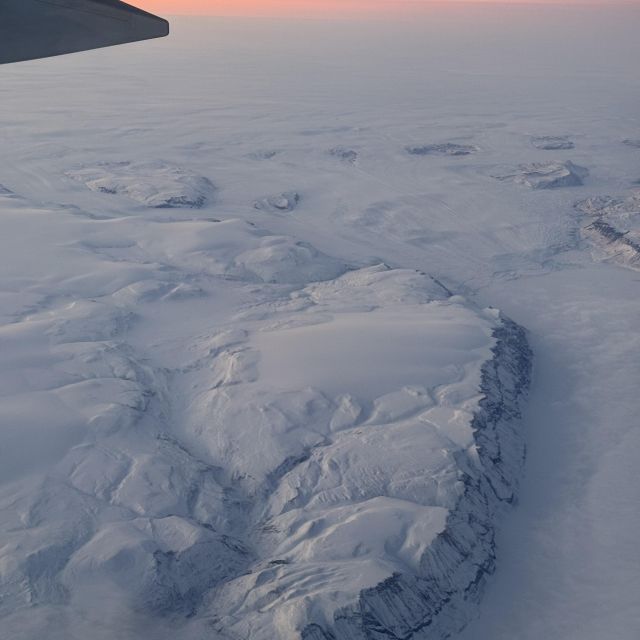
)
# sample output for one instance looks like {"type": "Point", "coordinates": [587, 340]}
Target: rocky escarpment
{"type": "Point", "coordinates": [614, 230]}
{"type": "Point", "coordinates": [435, 602]}
{"type": "Point", "coordinates": [547, 175]}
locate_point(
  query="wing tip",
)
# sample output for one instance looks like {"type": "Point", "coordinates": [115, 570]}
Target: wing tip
{"type": "Point", "coordinates": [166, 28]}
{"type": "Point", "coordinates": [33, 29]}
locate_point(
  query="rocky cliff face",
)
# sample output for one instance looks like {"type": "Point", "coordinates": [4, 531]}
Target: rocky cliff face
{"type": "Point", "coordinates": [614, 228]}
{"type": "Point", "coordinates": [435, 602]}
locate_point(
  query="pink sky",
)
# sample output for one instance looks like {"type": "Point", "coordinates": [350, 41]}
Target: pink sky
{"type": "Point", "coordinates": [309, 7]}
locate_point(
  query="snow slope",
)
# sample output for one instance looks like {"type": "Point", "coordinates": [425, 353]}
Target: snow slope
{"type": "Point", "coordinates": [234, 404]}
{"type": "Point", "coordinates": [568, 566]}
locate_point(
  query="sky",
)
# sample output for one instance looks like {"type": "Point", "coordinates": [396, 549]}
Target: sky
{"type": "Point", "coordinates": [310, 7]}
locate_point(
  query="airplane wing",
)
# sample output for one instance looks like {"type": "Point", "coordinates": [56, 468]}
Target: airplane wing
{"type": "Point", "coordinates": [32, 29]}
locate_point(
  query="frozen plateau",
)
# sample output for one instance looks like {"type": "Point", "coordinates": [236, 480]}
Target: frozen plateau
{"type": "Point", "coordinates": [324, 330]}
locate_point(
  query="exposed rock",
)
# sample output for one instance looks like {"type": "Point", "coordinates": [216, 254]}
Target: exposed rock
{"type": "Point", "coordinates": [615, 230]}
{"type": "Point", "coordinates": [611, 206]}
{"type": "Point", "coordinates": [444, 149]}
{"type": "Point", "coordinates": [552, 143]}
{"type": "Point", "coordinates": [283, 202]}
{"type": "Point", "coordinates": [154, 184]}
{"type": "Point", "coordinates": [265, 154]}
{"type": "Point", "coordinates": [548, 175]}
{"type": "Point", "coordinates": [433, 603]}
{"type": "Point", "coordinates": [632, 142]}
{"type": "Point", "coordinates": [344, 154]}
{"type": "Point", "coordinates": [620, 246]}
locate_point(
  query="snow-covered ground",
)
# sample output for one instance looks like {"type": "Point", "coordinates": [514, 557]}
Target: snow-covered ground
{"type": "Point", "coordinates": [248, 289]}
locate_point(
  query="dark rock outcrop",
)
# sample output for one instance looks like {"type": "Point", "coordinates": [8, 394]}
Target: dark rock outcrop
{"type": "Point", "coordinates": [434, 603]}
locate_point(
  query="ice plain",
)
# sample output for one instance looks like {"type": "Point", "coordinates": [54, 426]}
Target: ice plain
{"type": "Point", "coordinates": [195, 253]}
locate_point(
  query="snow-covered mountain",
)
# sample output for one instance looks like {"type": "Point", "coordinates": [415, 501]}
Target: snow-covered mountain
{"type": "Point", "coordinates": [202, 418]}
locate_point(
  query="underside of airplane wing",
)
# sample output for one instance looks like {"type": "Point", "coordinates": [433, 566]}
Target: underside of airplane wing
{"type": "Point", "coordinates": [32, 29]}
